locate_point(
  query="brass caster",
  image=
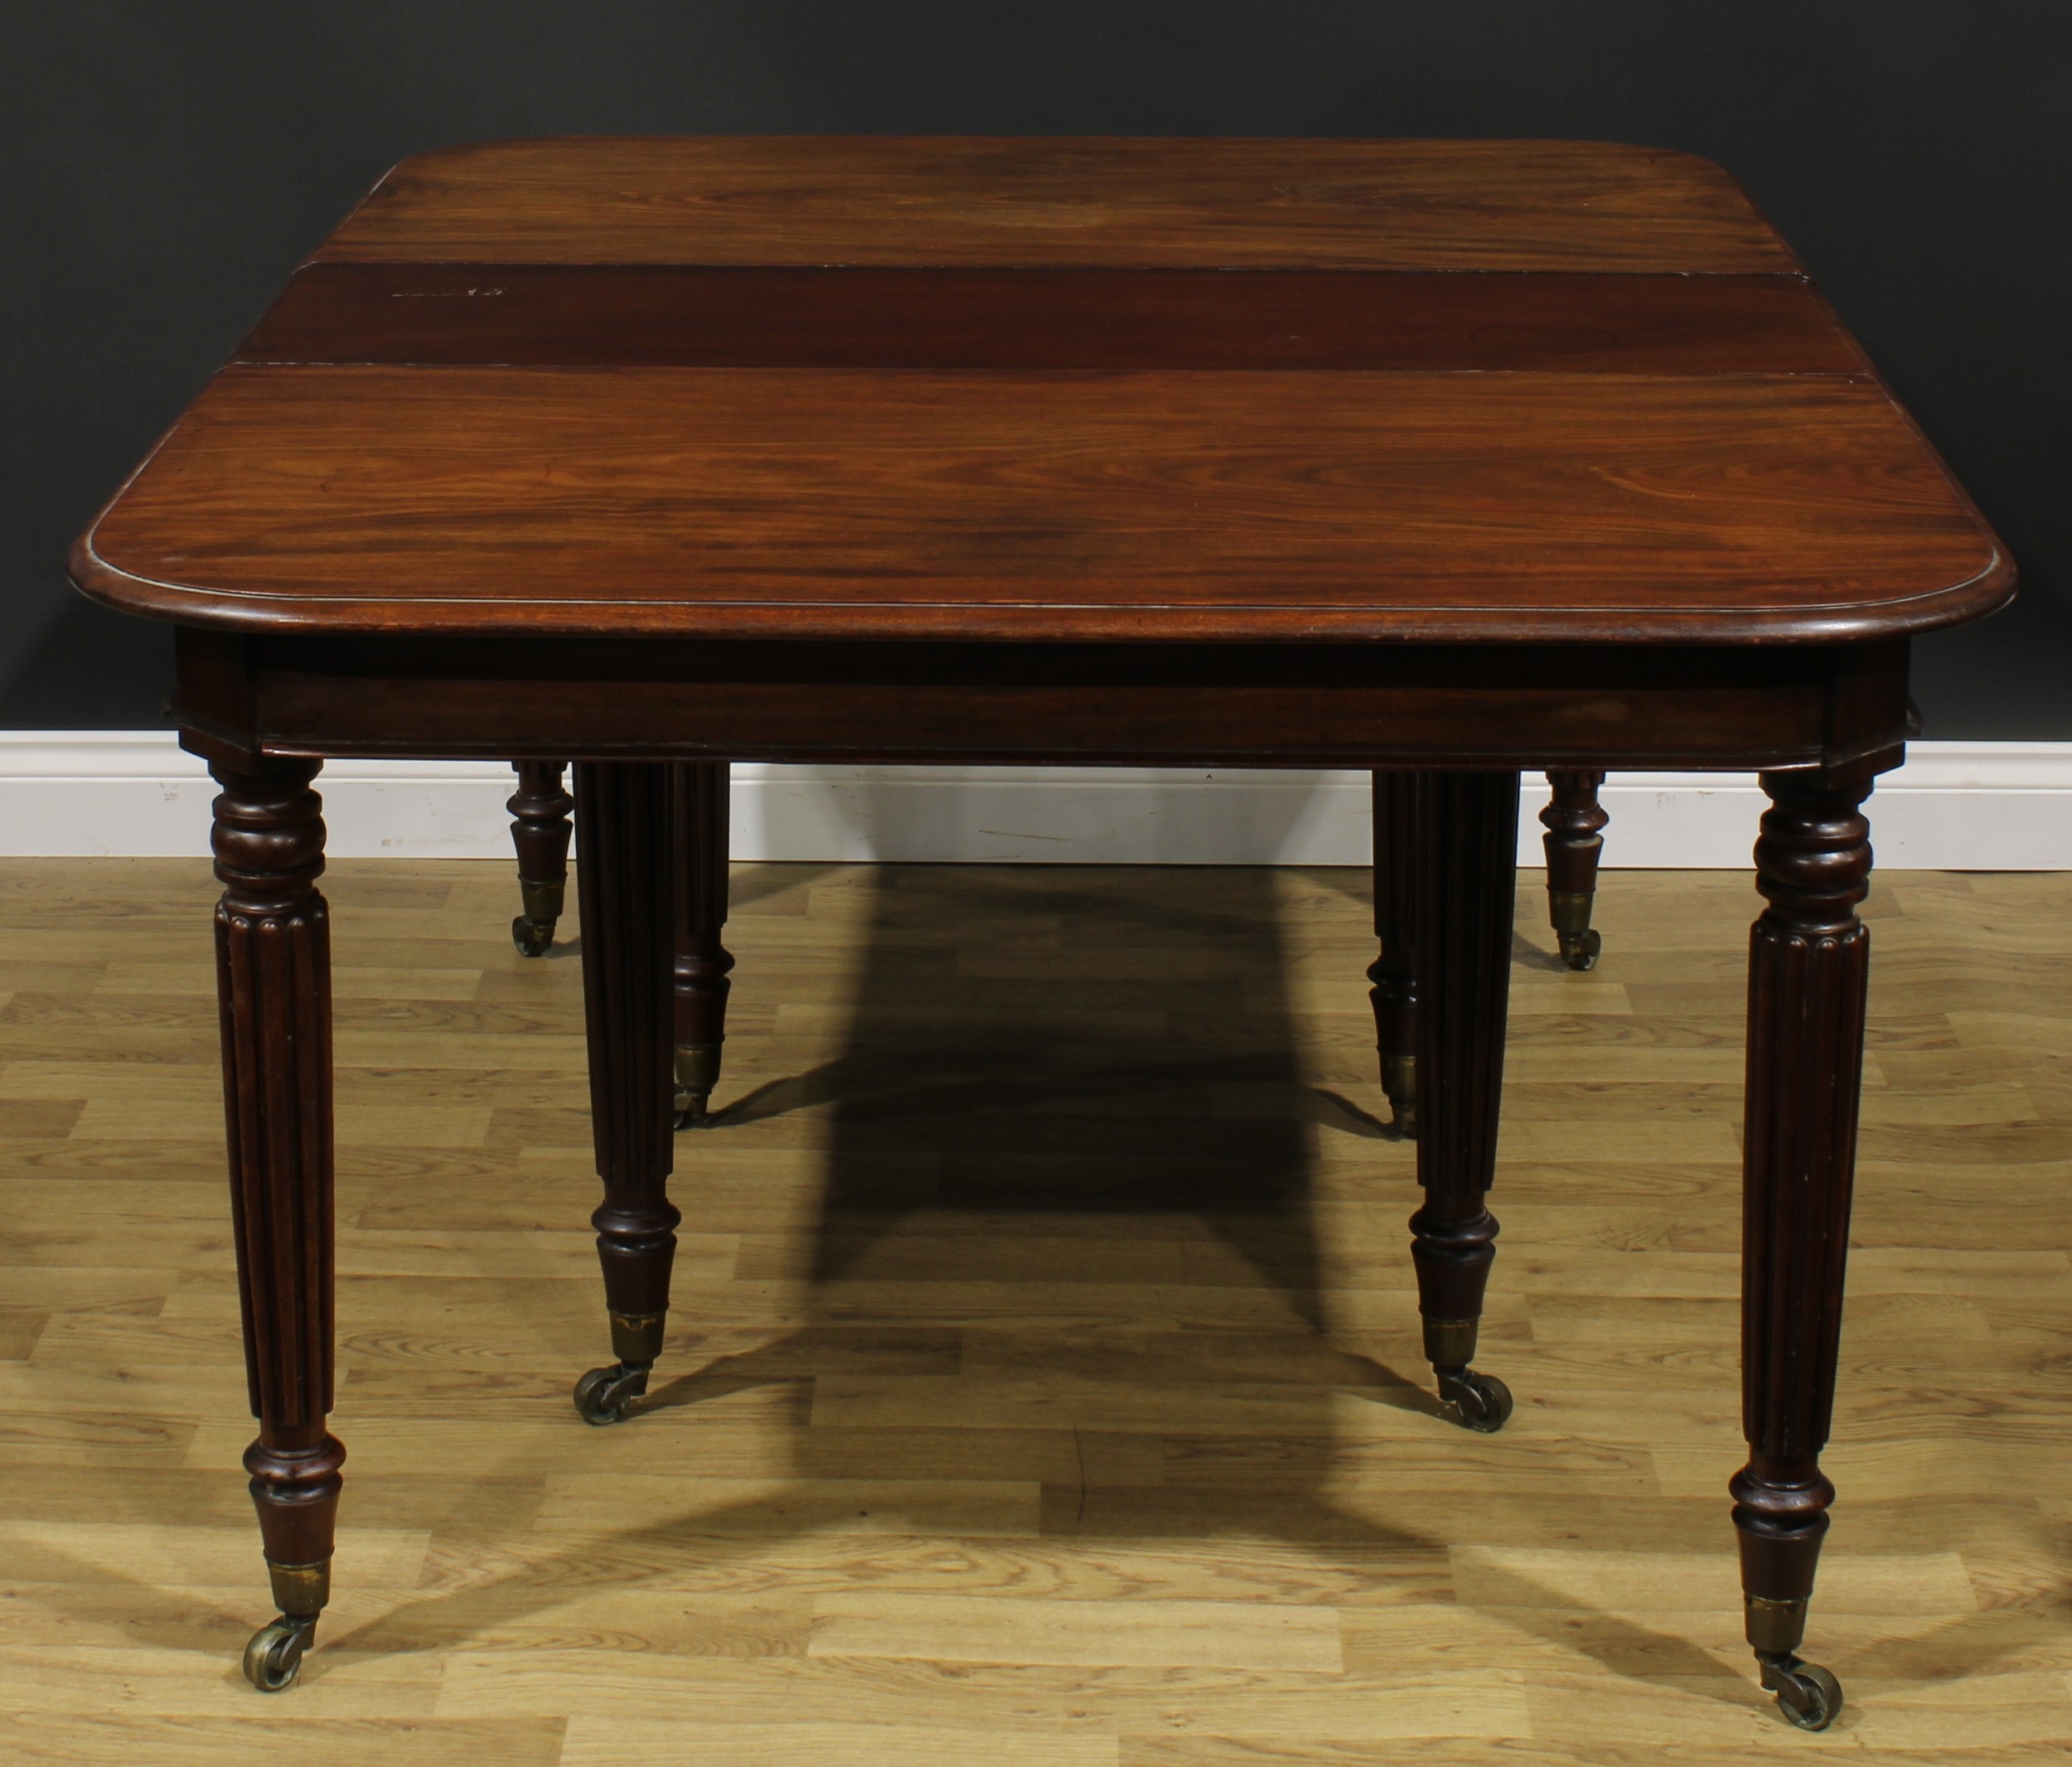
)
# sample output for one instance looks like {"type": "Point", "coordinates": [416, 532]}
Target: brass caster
{"type": "Point", "coordinates": [1399, 1081]}
{"type": "Point", "coordinates": [697, 1072]}
{"type": "Point", "coordinates": [274, 1657]}
{"type": "Point", "coordinates": [602, 1394]}
{"type": "Point", "coordinates": [534, 938]}
{"type": "Point", "coordinates": [1579, 950]}
{"type": "Point", "coordinates": [1806, 1693]}
{"type": "Point", "coordinates": [1481, 1401]}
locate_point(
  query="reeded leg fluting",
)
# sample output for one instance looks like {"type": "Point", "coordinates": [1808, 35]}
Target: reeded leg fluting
{"type": "Point", "coordinates": [625, 846]}
{"type": "Point", "coordinates": [539, 829]}
{"type": "Point", "coordinates": [1575, 824]}
{"type": "Point", "coordinates": [1394, 972]}
{"type": "Point", "coordinates": [273, 947]}
{"type": "Point", "coordinates": [702, 962]}
{"type": "Point", "coordinates": [1465, 853]}
{"type": "Point", "coordinates": [1809, 969]}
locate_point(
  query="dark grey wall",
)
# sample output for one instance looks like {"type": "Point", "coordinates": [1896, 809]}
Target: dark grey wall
{"type": "Point", "coordinates": [164, 167]}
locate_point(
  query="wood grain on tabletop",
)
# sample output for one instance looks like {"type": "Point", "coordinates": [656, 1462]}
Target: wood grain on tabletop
{"type": "Point", "coordinates": [1043, 1382]}
{"type": "Point", "coordinates": [1473, 391]}
{"type": "Point", "coordinates": [818, 503]}
{"type": "Point", "coordinates": [727, 316]}
{"type": "Point", "coordinates": [1116, 201]}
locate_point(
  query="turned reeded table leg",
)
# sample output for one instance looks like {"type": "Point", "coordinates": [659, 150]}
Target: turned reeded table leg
{"type": "Point", "coordinates": [1809, 966]}
{"type": "Point", "coordinates": [626, 847]}
{"type": "Point", "coordinates": [1575, 837]}
{"type": "Point", "coordinates": [1394, 972]}
{"type": "Point", "coordinates": [272, 944]}
{"type": "Point", "coordinates": [702, 962]}
{"type": "Point", "coordinates": [1465, 860]}
{"type": "Point", "coordinates": [539, 829]}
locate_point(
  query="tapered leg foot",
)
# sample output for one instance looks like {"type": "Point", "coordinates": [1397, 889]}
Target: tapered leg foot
{"type": "Point", "coordinates": [1808, 971]}
{"type": "Point", "coordinates": [703, 963]}
{"type": "Point", "coordinates": [625, 835]}
{"type": "Point", "coordinates": [1393, 973]}
{"type": "Point", "coordinates": [1575, 838]}
{"type": "Point", "coordinates": [1464, 851]}
{"type": "Point", "coordinates": [1453, 1256]}
{"type": "Point", "coordinates": [539, 829]}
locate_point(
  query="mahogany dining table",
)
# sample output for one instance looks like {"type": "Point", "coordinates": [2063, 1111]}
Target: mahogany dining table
{"type": "Point", "coordinates": [1445, 459]}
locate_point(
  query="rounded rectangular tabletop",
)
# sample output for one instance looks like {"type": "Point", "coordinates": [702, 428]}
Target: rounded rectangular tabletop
{"type": "Point", "coordinates": [1051, 389]}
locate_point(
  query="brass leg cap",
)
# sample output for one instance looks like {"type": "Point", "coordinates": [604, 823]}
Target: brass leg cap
{"type": "Point", "coordinates": [637, 1337]}
{"type": "Point", "coordinates": [1775, 1627]}
{"type": "Point", "coordinates": [697, 1073]}
{"type": "Point", "coordinates": [1399, 1081]}
{"type": "Point", "coordinates": [1449, 1344]}
{"type": "Point", "coordinates": [542, 903]}
{"type": "Point", "coordinates": [301, 1589]}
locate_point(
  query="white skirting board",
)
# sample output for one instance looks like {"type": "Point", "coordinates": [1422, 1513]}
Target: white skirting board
{"type": "Point", "coordinates": [1978, 806]}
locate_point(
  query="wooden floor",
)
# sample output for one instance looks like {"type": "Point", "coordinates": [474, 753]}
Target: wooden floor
{"type": "Point", "coordinates": [1042, 1385]}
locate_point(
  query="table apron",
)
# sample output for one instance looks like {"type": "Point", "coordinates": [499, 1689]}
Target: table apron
{"type": "Point", "coordinates": [1607, 706]}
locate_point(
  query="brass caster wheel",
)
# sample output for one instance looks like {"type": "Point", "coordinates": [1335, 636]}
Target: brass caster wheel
{"type": "Point", "coordinates": [1481, 1401]}
{"type": "Point", "coordinates": [692, 1111]}
{"type": "Point", "coordinates": [1579, 950]}
{"type": "Point", "coordinates": [274, 1657]}
{"type": "Point", "coordinates": [533, 938]}
{"type": "Point", "coordinates": [602, 1394]}
{"type": "Point", "coordinates": [1806, 1693]}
